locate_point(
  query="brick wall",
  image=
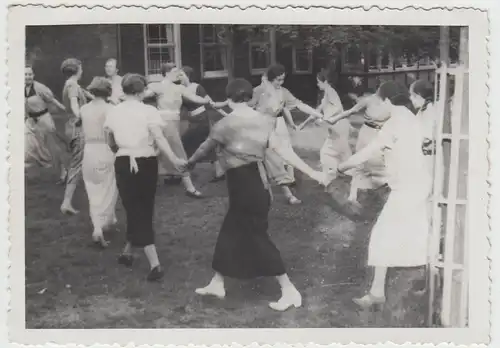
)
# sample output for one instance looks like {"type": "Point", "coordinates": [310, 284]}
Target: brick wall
{"type": "Point", "coordinates": [48, 46]}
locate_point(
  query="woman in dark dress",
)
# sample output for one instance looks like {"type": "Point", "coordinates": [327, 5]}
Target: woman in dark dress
{"type": "Point", "coordinates": [201, 119]}
{"type": "Point", "coordinates": [244, 249]}
{"type": "Point", "coordinates": [73, 98]}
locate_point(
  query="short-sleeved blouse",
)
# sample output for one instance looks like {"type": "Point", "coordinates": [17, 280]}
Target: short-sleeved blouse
{"type": "Point", "coordinates": [243, 136]}
{"type": "Point", "coordinates": [93, 119]}
{"type": "Point", "coordinates": [331, 103]}
{"type": "Point", "coordinates": [375, 113]}
{"type": "Point", "coordinates": [130, 123]}
{"type": "Point", "coordinates": [37, 96]}
{"type": "Point", "coordinates": [72, 89]}
{"type": "Point", "coordinates": [272, 100]}
{"type": "Point", "coordinates": [169, 98]}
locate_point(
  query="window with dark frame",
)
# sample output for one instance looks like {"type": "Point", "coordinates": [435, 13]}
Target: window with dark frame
{"type": "Point", "coordinates": [159, 46]}
{"type": "Point", "coordinates": [213, 52]}
{"type": "Point", "coordinates": [260, 50]}
{"type": "Point", "coordinates": [302, 60]}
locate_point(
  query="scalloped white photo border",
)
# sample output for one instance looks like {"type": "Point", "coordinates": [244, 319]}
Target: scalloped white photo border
{"type": "Point", "coordinates": [475, 15]}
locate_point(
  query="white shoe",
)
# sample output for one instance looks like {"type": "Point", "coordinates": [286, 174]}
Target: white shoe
{"type": "Point", "coordinates": [212, 289]}
{"type": "Point", "coordinates": [67, 210]}
{"type": "Point", "coordinates": [294, 200]}
{"type": "Point", "coordinates": [292, 298]}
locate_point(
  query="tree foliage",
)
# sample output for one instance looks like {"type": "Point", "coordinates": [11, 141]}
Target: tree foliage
{"type": "Point", "coordinates": [399, 41]}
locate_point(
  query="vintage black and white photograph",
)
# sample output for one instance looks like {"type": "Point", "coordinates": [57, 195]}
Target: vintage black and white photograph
{"type": "Point", "coordinates": [198, 175]}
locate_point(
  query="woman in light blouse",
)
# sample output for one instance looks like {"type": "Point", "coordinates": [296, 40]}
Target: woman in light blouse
{"type": "Point", "coordinates": [135, 132]}
{"type": "Point", "coordinates": [244, 249]}
{"type": "Point", "coordinates": [169, 96]}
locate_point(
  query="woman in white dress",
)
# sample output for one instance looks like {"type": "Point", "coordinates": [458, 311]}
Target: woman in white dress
{"type": "Point", "coordinates": [336, 148]}
{"type": "Point", "coordinates": [98, 160]}
{"type": "Point", "coordinates": [400, 235]}
{"type": "Point", "coordinates": [275, 101]}
{"type": "Point", "coordinates": [371, 174]}
{"type": "Point", "coordinates": [422, 97]}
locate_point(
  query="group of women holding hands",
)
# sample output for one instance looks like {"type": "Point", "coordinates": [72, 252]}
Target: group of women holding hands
{"type": "Point", "coordinates": [120, 145]}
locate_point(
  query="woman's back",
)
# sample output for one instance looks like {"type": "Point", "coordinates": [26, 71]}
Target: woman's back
{"type": "Point", "coordinates": [244, 135]}
{"type": "Point", "coordinates": [375, 112]}
{"type": "Point", "coordinates": [93, 118]}
{"type": "Point", "coordinates": [405, 160]}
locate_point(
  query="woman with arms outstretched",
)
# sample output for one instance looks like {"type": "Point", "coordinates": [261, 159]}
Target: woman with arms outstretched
{"type": "Point", "coordinates": [244, 249]}
{"type": "Point", "coordinates": [399, 238]}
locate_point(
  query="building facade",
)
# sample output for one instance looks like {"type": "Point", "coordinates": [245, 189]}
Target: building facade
{"type": "Point", "coordinates": [142, 48]}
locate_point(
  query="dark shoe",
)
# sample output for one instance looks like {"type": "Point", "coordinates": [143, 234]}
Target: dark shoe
{"type": "Point", "coordinates": [172, 181]}
{"type": "Point", "coordinates": [155, 274]}
{"type": "Point", "coordinates": [218, 178]}
{"type": "Point", "coordinates": [126, 260]}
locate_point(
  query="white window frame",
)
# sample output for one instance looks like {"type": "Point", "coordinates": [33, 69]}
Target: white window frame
{"type": "Point", "coordinates": [271, 42]}
{"type": "Point", "coordinates": [209, 74]}
{"type": "Point", "coordinates": [295, 69]}
{"type": "Point", "coordinates": [176, 45]}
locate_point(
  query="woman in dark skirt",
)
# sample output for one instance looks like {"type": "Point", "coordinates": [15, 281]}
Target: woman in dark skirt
{"type": "Point", "coordinates": [134, 133]}
{"type": "Point", "coordinates": [201, 119]}
{"type": "Point", "coordinates": [244, 249]}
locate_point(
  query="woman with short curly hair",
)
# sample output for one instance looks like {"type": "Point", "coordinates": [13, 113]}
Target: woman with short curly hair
{"type": "Point", "coordinates": [134, 132]}
{"type": "Point", "coordinates": [244, 249]}
{"type": "Point", "coordinates": [73, 98]}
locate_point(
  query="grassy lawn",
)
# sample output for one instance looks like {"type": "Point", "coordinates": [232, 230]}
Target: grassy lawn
{"type": "Point", "coordinates": [69, 284]}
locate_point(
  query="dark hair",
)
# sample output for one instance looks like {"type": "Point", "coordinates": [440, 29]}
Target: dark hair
{"type": "Point", "coordinates": [133, 84]}
{"type": "Point", "coordinates": [190, 73]}
{"type": "Point", "coordinates": [423, 88]}
{"type": "Point", "coordinates": [322, 76]}
{"type": "Point", "coordinates": [100, 87]}
{"type": "Point", "coordinates": [274, 71]}
{"type": "Point", "coordinates": [239, 90]}
{"type": "Point", "coordinates": [397, 93]}
{"type": "Point", "coordinates": [70, 67]}
{"type": "Point", "coordinates": [28, 66]}
{"type": "Point", "coordinates": [167, 67]}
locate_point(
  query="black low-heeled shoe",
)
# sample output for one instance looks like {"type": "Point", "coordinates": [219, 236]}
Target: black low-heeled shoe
{"type": "Point", "coordinates": [126, 260]}
{"type": "Point", "coordinates": [218, 178]}
{"type": "Point", "coordinates": [155, 274]}
{"type": "Point", "coordinates": [172, 181]}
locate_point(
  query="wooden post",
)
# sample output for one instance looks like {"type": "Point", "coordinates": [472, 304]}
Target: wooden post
{"type": "Point", "coordinates": [229, 40]}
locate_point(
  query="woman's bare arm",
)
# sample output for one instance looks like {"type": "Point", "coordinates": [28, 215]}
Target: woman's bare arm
{"type": "Point", "coordinates": [364, 154]}
{"type": "Point", "coordinates": [164, 146]}
{"type": "Point", "coordinates": [289, 156]}
{"type": "Point", "coordinates": [288, 117]}
{"type": "Point", "coordinates": [195, 98]}
{"type": "Point", "coordinates": [110, 140]}
{"type": "Point", "coordinates": [309, 110]}
{"type": "Point", "coordinates": [360, 106]}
